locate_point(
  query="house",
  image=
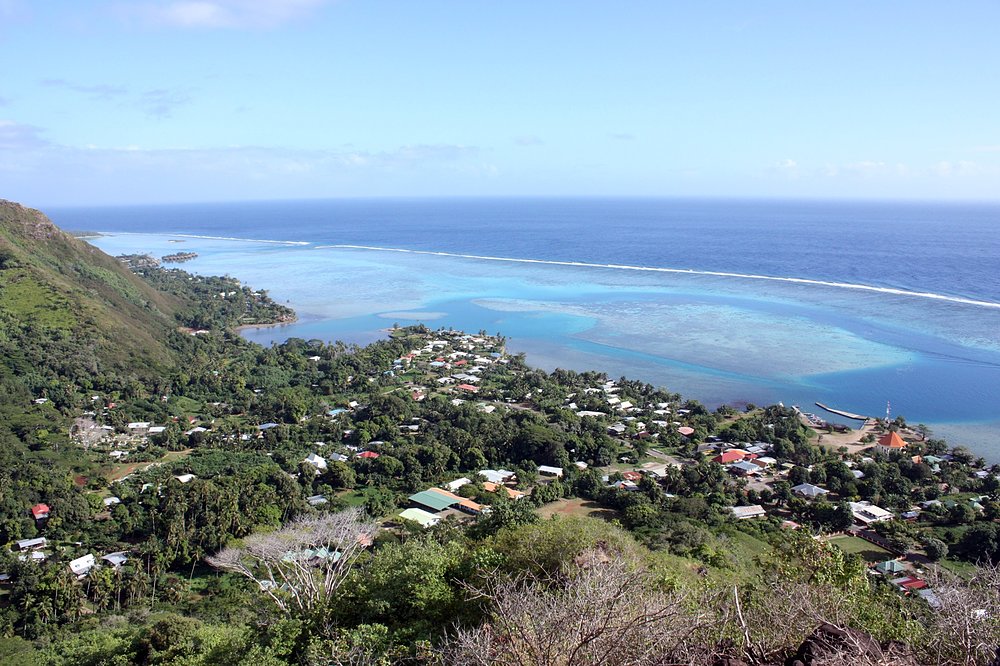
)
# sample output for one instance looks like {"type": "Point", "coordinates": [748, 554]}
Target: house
{"type": "Point", "coordinates": [156, 430]}
{"type": "Point", "coordinates": [319, 462]}
{"type": "Point", "coordinates": [548, 470]}
{"type": "Point", "coordinates": [928, 595]}
{"type": "Point", "coordinates": [185, 478]}
{"type": "Point", "coordinates": [434, 501]}
{"type": "Point", "coordinates": [867, 513]}
{"type": "Point", "coordinates": [31, 544]}
{"type": "Point", "coordinates": [745, 468]}
{"type": "Point", "coordinates": [685, 431]}
{"type": "Point", "coordinates": [496, 475]}
{"type": "Point", "coordinates": [40, 511]}
{"type": "Point", "coordinates": [730, 456]}
{"type": "Point", "coordinates": [423, 518]}
{"type": "Point", "coordinates": [116, 559]}
{"type": "Point", "coordinates": [111, 501]}
{"type": "Point", "coordinates": [909, 583]}
{"type": "Point", "coordinates": [468, 387]}
{"type": "Point", "coordinates": [890, 567]}
{"type": "Point", "coordinates": [81, 566]}
{"type": "Point", "coordinates": [496, 488]}
{"type": "Point", "coordinates": [658, 470]}
{"type": "Point", "coordinates": [462, 503]}
{"type": "Point", "coordinates": [457, 483]}
{"type": "Point", "coordinates": [316, 500]}
{"type": "Point", "coordinates": [370, 455]}
{"type": "Point", "coordinates": [809, 490]}
{"type": "Point", "coordinates": [745, 512]}
{"type": "Point", "coordinates": [891, 441]}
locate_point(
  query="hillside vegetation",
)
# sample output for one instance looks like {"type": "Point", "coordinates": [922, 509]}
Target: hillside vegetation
{"type": "Point", "coordinates": [173, 494]}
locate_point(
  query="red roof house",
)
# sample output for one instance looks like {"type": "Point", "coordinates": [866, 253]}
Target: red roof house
{"type": "Point", "coordinates": [730, 456]}
{"type": "Point", "coordinates": [468, 387]}
{"type": "Point", "coordinates": [40, 511]}
{"type": "Point", "coordinates": [368, 454]}
{"type": "Point", "coordinates": [892, 441]}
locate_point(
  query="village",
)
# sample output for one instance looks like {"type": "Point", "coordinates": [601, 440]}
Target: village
{"type": "Point", "coordinates": [652, 441]}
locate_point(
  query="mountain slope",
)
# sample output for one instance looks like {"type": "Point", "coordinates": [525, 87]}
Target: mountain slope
{"type": "Point", "coordinates": [60, 295]}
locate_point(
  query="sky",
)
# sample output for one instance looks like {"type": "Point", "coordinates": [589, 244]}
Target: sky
{"type": "Point", "coordinates": [162, 101]}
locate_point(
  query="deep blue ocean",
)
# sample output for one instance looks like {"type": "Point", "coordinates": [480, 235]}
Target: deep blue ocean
{"type": "Point", "coordinates": [854, 304]}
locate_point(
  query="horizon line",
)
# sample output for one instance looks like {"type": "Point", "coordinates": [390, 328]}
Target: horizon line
{"type": "Point", "coordinates": [538, 197]}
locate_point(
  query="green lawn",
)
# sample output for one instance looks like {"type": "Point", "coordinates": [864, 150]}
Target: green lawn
{"type": "Point", "coordinates": [866, 549]}
{"type": "Point", "coordinates": [963, 569]}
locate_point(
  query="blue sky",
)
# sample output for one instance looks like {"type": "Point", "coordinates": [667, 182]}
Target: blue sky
{"type": "Point", "coordinates": [153, 101]}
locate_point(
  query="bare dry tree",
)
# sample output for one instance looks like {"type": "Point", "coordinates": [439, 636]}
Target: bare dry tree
{"type": "Point", "coordinates": [964, 627]}
{"type": "Point", "coordinates": [300, 566]}
{"type": "Point", "coordinates": [605, 613]}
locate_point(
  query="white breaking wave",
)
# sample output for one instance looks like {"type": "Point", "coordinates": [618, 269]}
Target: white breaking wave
{"type": "Point", "coordinates": [686, 271]}
{"type": "Point", "coordinates": [221, 238]}
{"type": "Point", "coordinates": [245, 240]}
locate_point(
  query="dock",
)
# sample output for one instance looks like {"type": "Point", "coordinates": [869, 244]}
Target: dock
{"type": "Point", "coordinates": [840, 412]}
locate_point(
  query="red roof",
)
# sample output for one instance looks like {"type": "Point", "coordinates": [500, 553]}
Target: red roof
{"type": "Point", "coordinates": [912, 583]}
{"type": "Point", "coordinates": [892, 440]}
{"type": "Point", "coordinates": [730, 456]}
{"type": "Point", "coordinates": [686, 430]}
{"type": "Point", "coordinates": [40, 511]}
{"type": "Point", "coordinates": [632, 476]}
{"type": "Point", "coordinates": [461, 362]}
{"type": "Point", "coordinates": [368, 454]}
{"type": "Point", "coordinates": [469, 387]}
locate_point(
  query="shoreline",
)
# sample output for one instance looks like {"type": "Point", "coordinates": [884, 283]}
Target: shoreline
{"type": "Point", "coordinates": [276, 324]}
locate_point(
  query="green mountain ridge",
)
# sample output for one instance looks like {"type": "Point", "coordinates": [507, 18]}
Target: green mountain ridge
{"type": "Point", "coordinates": [55, 288]}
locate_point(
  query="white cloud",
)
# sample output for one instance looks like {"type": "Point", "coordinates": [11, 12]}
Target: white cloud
{"type": "Point", "coordinates": [98, 91]}
{"type": "Point", "coordinates": [987, 148]}
{"type": "Point", "coordinates": [226, 13]}
{"type": "Point", "coordinates": [16, 136]}
{"type": "Point", "coordinates": [157, 103]}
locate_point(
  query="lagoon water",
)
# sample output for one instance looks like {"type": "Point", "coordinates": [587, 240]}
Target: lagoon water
{"type": "Point", "coordinates": [727, 301]}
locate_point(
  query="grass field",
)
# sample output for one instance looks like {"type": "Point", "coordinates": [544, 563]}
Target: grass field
{"type": "Point", "coordinates": [866, 549]}
{"type": "Point", "coordinates": [963, 569]}
{"type": "Point", "coordinates": [576, 507]}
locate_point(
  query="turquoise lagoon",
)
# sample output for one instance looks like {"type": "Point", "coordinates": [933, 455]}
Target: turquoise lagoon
{"type": "Point", "coordinates": [716, 338]}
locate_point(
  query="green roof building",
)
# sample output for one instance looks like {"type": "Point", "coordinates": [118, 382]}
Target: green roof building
{"type": "Point", "coordinates": [433, 501]}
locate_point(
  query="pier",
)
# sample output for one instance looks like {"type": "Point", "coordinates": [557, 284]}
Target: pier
{"type": "Point", "coordinates": [840, 412]}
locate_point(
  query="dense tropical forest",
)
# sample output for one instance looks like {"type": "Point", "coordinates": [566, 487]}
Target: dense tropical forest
{"type": "Point", "coordinates": [173, 494]}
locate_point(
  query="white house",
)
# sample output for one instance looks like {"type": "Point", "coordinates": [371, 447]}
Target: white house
{"type": "Point", "coordinates": [547, 470]}
{"type": "Point", "coordinates": [867, 513]}
{"type": "Point", "coordinates": [81, 566]}
{"type": "Point", "coordinates": [319, 462]}
{"type": "Point", "coordinates": [496, 475]}
{"type": "Point", "coordinates": [809, 490]}
{"type": "Point", "coordinates": [116, 559]}
{"type": "Point", "coordinates": [745, 512]}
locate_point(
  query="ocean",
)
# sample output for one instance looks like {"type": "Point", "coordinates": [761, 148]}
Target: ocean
{"type": "Point", "coordinates": [858, 305]}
